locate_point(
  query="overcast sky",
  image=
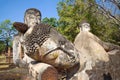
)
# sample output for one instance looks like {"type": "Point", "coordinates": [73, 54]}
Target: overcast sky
{"type": "Point", "coordinates": [14, 9]}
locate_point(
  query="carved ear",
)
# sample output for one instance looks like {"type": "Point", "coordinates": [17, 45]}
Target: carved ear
{"type": "Point", "coordinates": [20, 27]}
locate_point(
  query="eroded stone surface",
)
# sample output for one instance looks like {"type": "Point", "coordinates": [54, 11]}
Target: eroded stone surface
{"type": "Point", "coordinates": [109, 70]}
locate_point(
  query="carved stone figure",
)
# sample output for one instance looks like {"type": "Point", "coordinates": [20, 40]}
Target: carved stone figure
{"type": "Point", "coordinates": [93, 50]}
{"type": "Point", "coordinates": [40, 70]}
{"type": "Point", "coordinates": [31, 18]}
{"type": "Point", "coordinates": [43, 43]}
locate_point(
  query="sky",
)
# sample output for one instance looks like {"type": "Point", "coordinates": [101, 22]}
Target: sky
{"type": "Point", "coordinates": [14, 9]}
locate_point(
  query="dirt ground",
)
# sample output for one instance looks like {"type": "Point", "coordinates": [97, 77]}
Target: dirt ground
{"type": "Point", "coordinates": [13, 73]}
{"type": "Point", "coordinates": [10, 71]}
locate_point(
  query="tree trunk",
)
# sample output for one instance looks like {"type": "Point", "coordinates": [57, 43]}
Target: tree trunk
{"type": "Point", "coordinates": [6, 48]}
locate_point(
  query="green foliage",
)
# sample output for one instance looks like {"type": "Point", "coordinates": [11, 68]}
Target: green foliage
{"type": "Point", "coordinates": [6, 32]}
{"type": "Point", "coordinates": [51, 21]}
{"type": "Point", "coordinates": [72, 12]}
{"type": "Point", "coordinates": [2, 46]}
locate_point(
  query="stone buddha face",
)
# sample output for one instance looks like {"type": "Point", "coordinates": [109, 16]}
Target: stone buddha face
{"type": "Point", "coordinates": [32, 17]}
{"type": "Point", "coordinates": [85, 26]}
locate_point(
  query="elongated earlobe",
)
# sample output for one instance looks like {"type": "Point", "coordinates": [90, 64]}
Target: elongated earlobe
{"type": "Point", "coordinates": [20, 27]}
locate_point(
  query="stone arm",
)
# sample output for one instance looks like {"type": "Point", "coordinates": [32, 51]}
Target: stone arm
{"type": "Point", "coordinates": [62, 43]}
{"type": "Point", "coordinates": [110, 46]}
{"type": "Point", "coordinates": [15, 49]}
{"type": "Point", "coordinates": [18, 52]}
{"type": "Point", "coordinates": [60, 48]}
{"type": "Point", "coordinates": [106, 45]}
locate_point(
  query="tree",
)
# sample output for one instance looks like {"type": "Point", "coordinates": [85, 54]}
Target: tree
{"type": "Point", "coordinates": [2, 46]}
{"type": "Point", "coordinates": [6, 33]}
{"type": "Point", "coordinates": [71, 13]}
{"type": "Point", "coordinates": [51, 21]}
{"type": "Point", "coordinates": [104, 24]}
